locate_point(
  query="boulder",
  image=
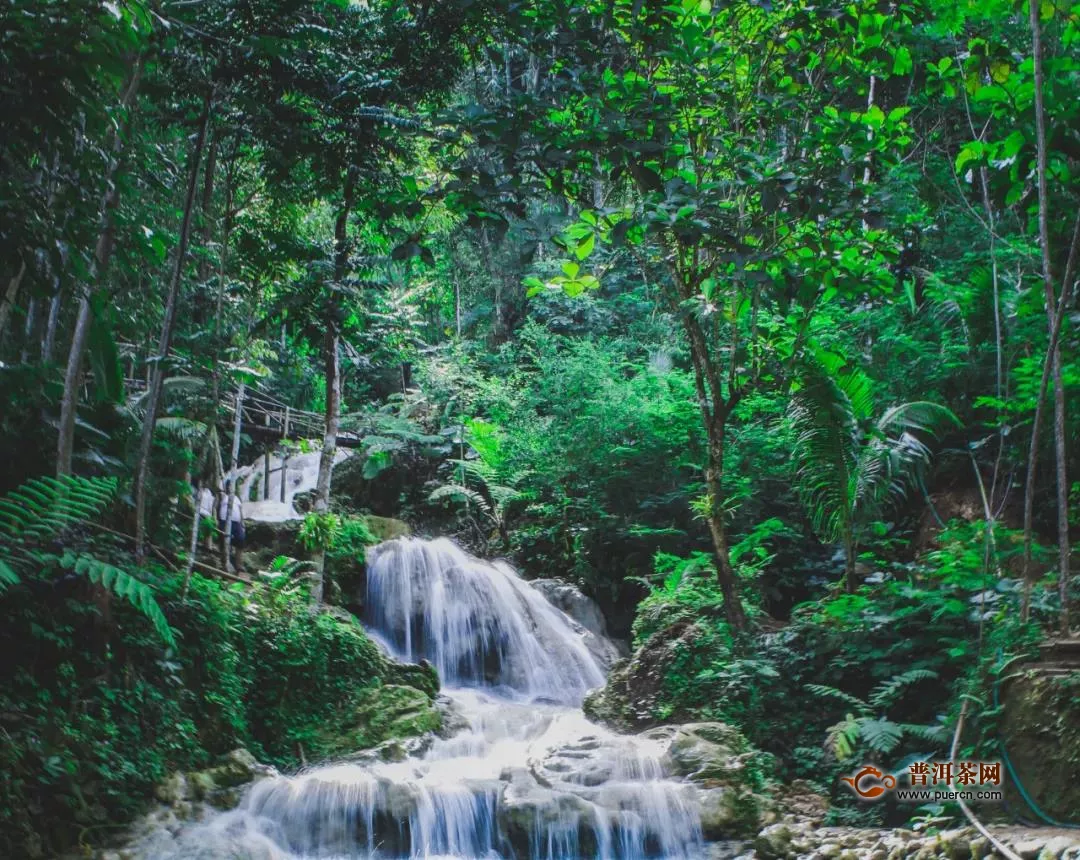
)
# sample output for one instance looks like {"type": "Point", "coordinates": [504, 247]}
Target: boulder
{"type": "Point", "coordinates": [527, 807]}
{"type": "Point", "coordinates": [572, 600]}
{"type": "Point", "coordinates": [586, 613]}
{"type": "Point", "coordinates": [630, 701]}
{"type": "Point", "coordinates": [387, 528]}
{"type": "Point", "coordinates": [730, 812]}
{"type": "Point", "coordinates": [218, 786]}
{"type": "Point", "coordinates": [385, 712]}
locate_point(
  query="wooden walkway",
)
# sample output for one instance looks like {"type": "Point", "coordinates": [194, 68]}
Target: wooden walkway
{"type": "Point", "coordinates": [267, 419]}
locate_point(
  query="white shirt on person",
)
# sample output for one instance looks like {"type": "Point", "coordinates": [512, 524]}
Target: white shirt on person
{"type": "Point", "coordinates": [237, 509]}
{"type": "Point", "coordinates": [206, 502]}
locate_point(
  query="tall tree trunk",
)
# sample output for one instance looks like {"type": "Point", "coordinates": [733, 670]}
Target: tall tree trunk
{"type": "Point", "coordinates": [206, 209]}
{"type": "Point", "coordinates": [29, 328]}
{"type": "Point", "coordinates": [223, 259]}
{"type": "Point", "coordinates": [153, 396]}
{"type": "Point", "coordinates": [230, 483]}
{"type": "Point", "coordinates": [333, 377]}
{"type": "Point", "coordinates": [7, 302]}
{"type": "Point", "coordinates": [48, 342]}
{"type": "Point", "coordinates": [102, 254]}
{"type": "Point", "coordinates": [1053, 357]}
{"type": "Point", "coordinates": [725, 572]}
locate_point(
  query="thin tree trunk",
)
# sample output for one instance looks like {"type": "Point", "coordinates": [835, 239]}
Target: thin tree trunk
{"type": "Point", "coordinates": [153, 397]}
{"type": "Point", "coordinates": [7, 303]}
{"type": "Point", "coordinates": [725, 572]}
{"type": "Point", "coordinates": [333, 380]}
{"type": "Point", "coordinates": [230, 484]}
{"type": "Point", "coordinates": [102, 254]}
{"type": "Point", "coordinates": [1053, 358]}
{"type": "Point", "coordinates": [206, 208]}
{"type": "Point", "coordinates": [1049, 367]}
{"type": "Point", "coordinates": [49, 340]}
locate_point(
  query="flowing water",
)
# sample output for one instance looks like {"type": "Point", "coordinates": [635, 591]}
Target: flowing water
{"type": "Point", "coordinates": [526, 775]}
{"type": "Point", "coordinates": [301, 474]}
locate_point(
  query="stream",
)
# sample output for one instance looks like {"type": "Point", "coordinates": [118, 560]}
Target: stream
{"type": "Point", "coordinates": [524, 775]}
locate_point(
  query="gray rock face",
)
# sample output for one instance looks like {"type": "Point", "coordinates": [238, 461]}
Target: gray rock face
{"type": "Point", "coordinates": [570, 599]}
{"type": "Point", "coordinates": [585, 612]}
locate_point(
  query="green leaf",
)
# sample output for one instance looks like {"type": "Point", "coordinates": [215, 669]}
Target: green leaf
{"type": "Point", "coordinates": [902, 62]}
{"type": "Point", "coordinates": [585, 247]}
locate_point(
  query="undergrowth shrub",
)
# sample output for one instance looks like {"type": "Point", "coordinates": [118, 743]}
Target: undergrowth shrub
{"type": "Point", "coordinates": [94, 710]}
{"type": "Point", "coordinates": [930, 632]}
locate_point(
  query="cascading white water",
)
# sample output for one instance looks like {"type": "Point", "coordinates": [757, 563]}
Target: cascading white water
{"type": "Point", "coordinates": [301, 474]}
{"type": "Point", "coordinates": [530, 777]}
{"type": "Point", "coordinates": [478, 622]}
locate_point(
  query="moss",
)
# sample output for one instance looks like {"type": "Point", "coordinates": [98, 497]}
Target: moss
{"type": "Point", "coordinates": [386, 712]}
{"type": "Point", "coordinates": [386, 528]}
{"type": "Point", "coordinates": [420, 675]}
{"type": "Point", "coordinates": [1041, 732]}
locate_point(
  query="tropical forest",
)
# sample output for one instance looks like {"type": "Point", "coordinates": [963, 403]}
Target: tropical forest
{"type": "Point", "coordinates": [539, 429]}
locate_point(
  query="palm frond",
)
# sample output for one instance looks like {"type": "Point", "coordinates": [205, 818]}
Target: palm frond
{"type": "Point", "coordinates": [826, 445]}
{"type": "Point", "coordinates": [841, 737]}
{"type": "Point", "coordinates": [184, 429]}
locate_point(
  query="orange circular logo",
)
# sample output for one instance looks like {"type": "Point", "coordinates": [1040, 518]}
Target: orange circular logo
{"type": "Point", "coordinates": [870, 782]}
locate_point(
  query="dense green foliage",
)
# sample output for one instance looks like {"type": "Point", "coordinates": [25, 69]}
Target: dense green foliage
{"type": "Point", "coordinates": [757, 320]}
{"type": "Point", "coordinates": [96, 715]}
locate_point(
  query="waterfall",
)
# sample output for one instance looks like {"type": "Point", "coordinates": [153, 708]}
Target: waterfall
{"type": "Point", "coordinates": [530, 776]}
{"type": "Point", "coordinates": [301, 474]}
{"type": "Point", "coordinates": [478, 622]}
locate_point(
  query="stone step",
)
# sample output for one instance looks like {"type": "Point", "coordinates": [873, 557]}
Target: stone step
{"type": "Point", "coordinates": [1062, 651]}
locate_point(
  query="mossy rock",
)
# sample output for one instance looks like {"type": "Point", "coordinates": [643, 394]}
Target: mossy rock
{"type": "Point", "coordinates": [387, 528]}
{"type": "Point", "coordinates": [385, 712]}
{"type": "Point", "coordinates": [733, 813]}
{"type": "Point", "coordinates": [1041, 730]}
{"type": "Point", "coordinates": [421, 675]}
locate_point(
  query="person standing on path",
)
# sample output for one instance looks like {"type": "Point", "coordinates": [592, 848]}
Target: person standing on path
{"type": "Point", "coordinates": [235, 526]}
{"type": "Point", "coordinates": [206, 516]}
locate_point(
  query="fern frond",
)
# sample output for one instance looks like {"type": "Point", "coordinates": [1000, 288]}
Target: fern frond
{"type": "Point", "coordinates": [881, 736]}
{"type": "Point", "coordinates": [833, 693]}
{"type": "Point", "coordinates": [8, 576]}
{"type": "Point", "coordinates": [123, 585]}
{"type": "Point", "coordinates": [885, 693]}
{"type": "Point", "coordinates": [457, 492]}
{"type": "Point", "coordinates": [841, 737]}
{"type": "Point", "coordinates": [935, 734]}
{"type": "Point", "coordinates": [42, 507]}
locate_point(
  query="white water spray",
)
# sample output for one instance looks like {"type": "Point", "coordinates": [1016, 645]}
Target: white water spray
{"type": "Point", "coordinates": [530, 777]}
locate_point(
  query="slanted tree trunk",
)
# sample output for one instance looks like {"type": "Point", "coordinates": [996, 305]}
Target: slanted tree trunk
{"type": "Point", "coordinates": [153, 395]}
{"type": "Point", "coordinates": [1052, 363]}
{"type": "Point", "coordinates": [715, 411]}
{"type": "Point", "coordinates": [333, 378]}
{"type": "Point", "coordinates": [102, 255]}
